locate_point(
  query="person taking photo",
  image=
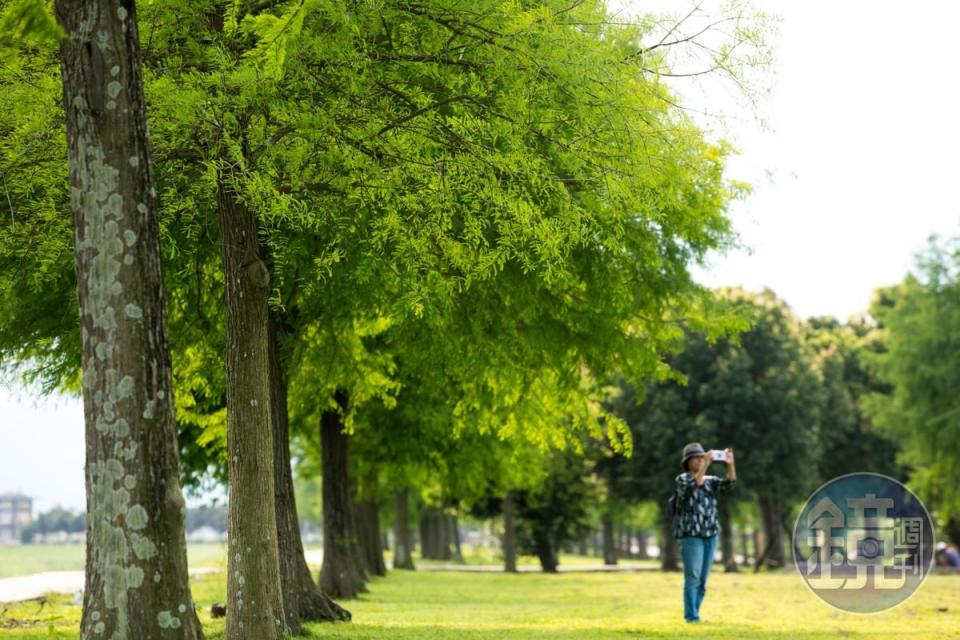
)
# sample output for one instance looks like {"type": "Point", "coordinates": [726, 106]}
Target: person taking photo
{"type": "Point", "coordinates": [696, 525]}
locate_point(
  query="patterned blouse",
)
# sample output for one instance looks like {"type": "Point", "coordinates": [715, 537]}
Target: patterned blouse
{"type": "Point", "coordinates": [697, 506]}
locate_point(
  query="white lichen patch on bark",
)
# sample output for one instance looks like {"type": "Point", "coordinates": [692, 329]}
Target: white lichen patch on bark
{"type": "Point", "coordinates": [167, 620]}
{"type": "Point", "coordinates": [118, 522]}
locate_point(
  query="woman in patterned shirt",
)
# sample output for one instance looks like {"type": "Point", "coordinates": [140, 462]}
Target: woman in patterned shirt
{"type": "Point", "coordinates": [696, 525]}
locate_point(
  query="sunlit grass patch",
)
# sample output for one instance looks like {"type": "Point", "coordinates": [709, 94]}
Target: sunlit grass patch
{"type": "Point", "coordinates": [489, 606]}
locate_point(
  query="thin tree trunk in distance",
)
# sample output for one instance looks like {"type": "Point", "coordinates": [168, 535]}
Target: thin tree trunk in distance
{"type": "Point", "coordinates": [367, 520]}
{"type": "Point", "coordinates": [302, 599]}
{"type": "Point", "coordinates": [403, 549]}
{"type": "Point", "coordinates": [609, 553]}
{"type": "Point", "coordinates": [773, 553]}
{"type": "Point", "coordinates": [342, 574]}
{"type": "Point", "coordinates": [669, 550]}
{"type": "Point", "coordinates": [642, 544]}
{"type": "Point", "coordinates": [455, 536]}
{"type": "Point", "coordinates": [509, 534]}
{"type": "Point", "coordinates": [726, 538]}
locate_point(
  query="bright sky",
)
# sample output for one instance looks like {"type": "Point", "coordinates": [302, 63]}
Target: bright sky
{"type": "Point", "coordinates": [853, 175]}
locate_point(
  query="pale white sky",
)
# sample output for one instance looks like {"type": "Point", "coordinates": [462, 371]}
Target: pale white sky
{"type": "Point", "coordinates": [855, 172]}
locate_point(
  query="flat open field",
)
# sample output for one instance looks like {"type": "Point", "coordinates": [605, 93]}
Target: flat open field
{"type": "Point", "coordinates": [492, 606]}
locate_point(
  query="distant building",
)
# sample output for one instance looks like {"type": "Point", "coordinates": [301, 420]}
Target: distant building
{"type": "Point", "coordinates": [16, 512]}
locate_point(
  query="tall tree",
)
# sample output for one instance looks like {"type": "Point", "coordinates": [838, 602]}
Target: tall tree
{"type": "Point", "coordinates": [253, 564]}
{"type": "Point", "coordinates": [918, 324]}
{"type": "Point", "coordinates": [136, 571]}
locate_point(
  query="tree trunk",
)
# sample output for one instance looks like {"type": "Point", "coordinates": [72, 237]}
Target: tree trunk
{"type": "Point", "coordinates": [669, 550]}
{"type": "Point", "coordinates": [744, 540]}
{"type": "Point", "coordinates": [759, 543]}
{"type": "Point", "coordinates": [253, 565]}
{"type": "Point", "coordinates": [403, 550]}
{"type": "Point", "coordinates": [772, 555]}
{"type": "Point", "coordinates": [302, 599]}
{"type": "Point", "coordinates": [368, 534]}
{"type": "Point", "coordinates": [642, 544]}
{"type": "Point", "coordinates": [455, 538]}
{"type": "Point", "coordinates": [787, 534]}
{"type": "Point", "coordinates": [509, 535]}
{"type": "Point", "coordinates": [342, 573]}
{"type": "Point", "coordinates": [726, 538]}
{"type": "Point", "coordinates": [426, 544]}
{"type": "Point", "coordinates": [546, 550]}
{"type": "Point", "coordinates": [442, 525]}
{"type": "Point", "coordinates": [582, 546]}
{"type": "Point", "coordinates": [609, 553]}
{"type": "Point", "coordinates": [435, 528]}
{"type": "Point", "coordinates": [136, 560]}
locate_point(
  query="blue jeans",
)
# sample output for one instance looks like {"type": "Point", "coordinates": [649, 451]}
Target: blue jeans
{"type": "Point", "coordinates": [697, 556]}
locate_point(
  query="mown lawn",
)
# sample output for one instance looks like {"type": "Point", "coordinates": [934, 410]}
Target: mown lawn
{"type": "Point", "coordinates": [25, 559]}
{"type": "Point", "coordinates": [447, 606]}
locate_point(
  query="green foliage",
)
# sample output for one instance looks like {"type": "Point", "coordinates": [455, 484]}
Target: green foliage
{"type": "Point", "coordinates": [847, 439]}
{"type": "Point", "coordinates": [757, 392]}
{"type": "Point", "coordinates": [496, 199]}
{"type": "Point", "coordinates": [555, 512]}
{"type": "Point", "coordinates": [919, 330]}
{"type": "Point", "coordinates": [27, 23]}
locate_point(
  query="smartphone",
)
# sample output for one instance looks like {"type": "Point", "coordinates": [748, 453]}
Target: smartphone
{"type": "Point", "coordinates": [720, 455]}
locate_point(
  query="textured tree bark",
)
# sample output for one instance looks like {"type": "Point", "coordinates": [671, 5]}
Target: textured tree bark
{"type": "Point", "coordinates": [726, 538]}
{"type": "Point", "coordinates": [302, 599]}
{"type": "Point", "coordinates": [609, 552]}
{"type": "Point", "coordinates": [509, 534]}
{"type": "Point", "coordinates": [254, 595]}
{"type": "Point", "coordinates": [341, 575]}
{"type": "Point", "coordinates": [136, 583]}
{"type": "Point", "coordinates": [669, 550]}
{"type": "Point", "coordinates": [403, 549]}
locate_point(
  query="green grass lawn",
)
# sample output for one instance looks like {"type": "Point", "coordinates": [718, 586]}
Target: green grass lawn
{"type": "Point", "coordinates": [34, 558]}
{"type": "Point", "coordinates": [448, 606]}
{"type": "Point", "coordinates": [22, 560]}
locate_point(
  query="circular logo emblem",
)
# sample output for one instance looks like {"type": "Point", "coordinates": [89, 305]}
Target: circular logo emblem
{"type": "Point", "coordinates": [863, 542]}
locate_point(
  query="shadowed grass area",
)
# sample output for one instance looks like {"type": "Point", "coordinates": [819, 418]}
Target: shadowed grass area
{"type": "Point", "coordinates": [448, 606]}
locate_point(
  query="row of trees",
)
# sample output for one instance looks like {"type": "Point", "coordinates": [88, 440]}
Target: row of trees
{"type": "Point", "coordinates": [416, 237]}
{"type": "Point", "coordinates": [801, 401]}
